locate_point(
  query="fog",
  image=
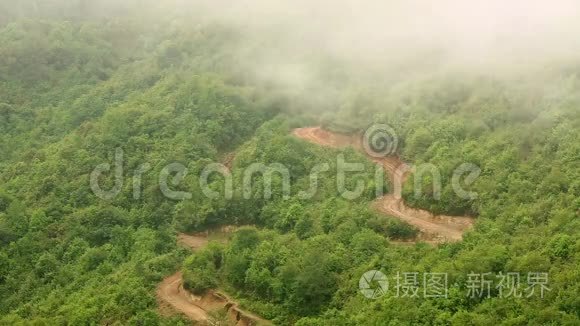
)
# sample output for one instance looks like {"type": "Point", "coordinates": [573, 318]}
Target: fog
{"type": "Point", "coordinates": [469, 33]}
{"type": "Point", "coordinates": [450, 32]}
{"type": "Point", "coordinates": [290, 39]}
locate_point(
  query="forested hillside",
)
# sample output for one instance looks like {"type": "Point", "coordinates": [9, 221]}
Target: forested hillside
{"type": "Point", "coordinates": [81, 83]}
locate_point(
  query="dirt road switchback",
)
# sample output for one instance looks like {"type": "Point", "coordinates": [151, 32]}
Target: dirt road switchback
{"type": "Point", "coordinates": [433, 228]}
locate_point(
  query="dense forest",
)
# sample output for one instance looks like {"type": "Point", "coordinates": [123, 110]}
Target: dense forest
{"type": "Point", "coordinates": [81, 81]}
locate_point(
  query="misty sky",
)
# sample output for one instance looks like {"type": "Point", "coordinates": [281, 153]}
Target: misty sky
{"type": "Point", "coordinates": [491, 31]}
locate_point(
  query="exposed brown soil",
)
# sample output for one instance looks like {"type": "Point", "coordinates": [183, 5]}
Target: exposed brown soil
{"type": "Point", "coordinates": [172, 296]}
{"type": "Point", "coordinates": [194, 242]}
{"type": "Point", "coordinates": [228, 160]}
{"type": "Point", "coordinates": [433, 228]}
{"type": "Point", "coordinates": [171, 292]}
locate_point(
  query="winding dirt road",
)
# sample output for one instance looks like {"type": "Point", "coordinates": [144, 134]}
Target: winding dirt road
{"type": "Point", "coordinates": [171, 292]}
{"type": "Point", "coordinates": [172, 296]}
{"type": "Point", "coordinates": [433, 228]}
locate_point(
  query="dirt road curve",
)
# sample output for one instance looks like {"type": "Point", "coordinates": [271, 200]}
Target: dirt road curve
{"type": "Point", "coordinates": [173, 297]}
{"type": "Point", "coordinates": [171, 291]}
{"type": "Point", "coordinates": [433, 228]}
{"type": "Point", "coordinates": [194, 242]}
